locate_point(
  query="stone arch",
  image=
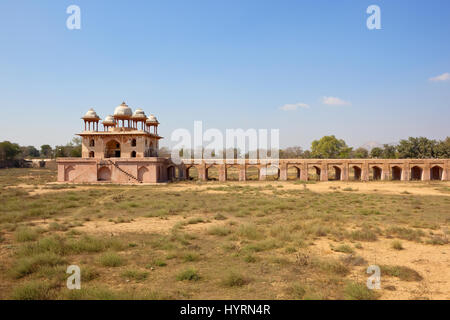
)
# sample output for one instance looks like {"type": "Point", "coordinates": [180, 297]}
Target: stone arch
{"type": "Point", "coordinates": [133, 142]}
{"type": "Point", "coordinates": [314, 173]}
{"type": "Point", "coordinates": [293, 172]}
{"type": "Point", "coordinates": [91, 154]}
{"type": "Point", "coordinates": [376, 173]}
{"type": "Point", "coordinates": [212, 173]}
{"type": "Point", "coordinates": [416, 173]}
{"type": "Point", "coordinates": [336, 172]}
{"type": "Point", "coordinates": [104, 174]}
{"type": "Point", "coordinates": [133, 154]}
{"type": "Point", "coordinates": [272, 173]}
{"type": "Point", "coordinates": [232, 173]}
{"type": "Point", "coordinates": [143, 174]}
{"type": "Point", "coordinates": [396, 173]}
{"type": "Point", "coordinates": [436, 172]}
{"type": "Point", "coordinates": [252, 172]}
{"type": "Point", "coordinates": [69, 173]}
{"type": "Point", "coordinates": [192, 173]}
{"type": "Point", "coordinates": [92, 143]}
{"type": "Point", "coordinates": [112, 149]}
{"type": "Point", "coordinates": [356, 171]}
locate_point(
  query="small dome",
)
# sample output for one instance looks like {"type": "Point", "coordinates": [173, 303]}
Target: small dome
{"type": "Point", "coordinates": [91, 114]}
{"type": "Point", "coordinates": [109, 120]}
{"type": "Point", "coordinates": [152, 119]}
{"type": "Point", "coordinates": [123, 110]}
{"type": "Point", "coordinates": [139, 114]}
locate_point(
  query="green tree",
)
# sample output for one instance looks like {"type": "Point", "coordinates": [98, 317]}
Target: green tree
{"type": "Point", "coordinates": [29, 152]}
{"type": "Point", "coordinates": [46, 151]}
{"type": "Point", "coordinates": [8, 150]}
{"type": "Point", "coordinates": [443, 148]}
{"type": "Point", "coordinates": [389, 151]}
{"type": "Point", "coordinates": [330, 147]}
{"type": "Point", "coordinates": [376, 152]}
{"type": "Point", "coordinates": [417, 148]}
{"type": "Point", "coordinates": [360, 153]}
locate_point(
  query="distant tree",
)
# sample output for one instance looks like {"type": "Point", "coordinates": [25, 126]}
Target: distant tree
{"type": "Point", "coordinates": [164, 152]}
{"type": "Point", "coordinates": [29, 152]}
{"type": "Point", "coordinates": [360, 153]}
{"type": "Point", "coordinates": [417, 148]}
{"type": "Point", "coordinates": [376, 152]}
{"type": "Point", "coordinates": [291, 153]}
{"type": "Point", "coordinates": [389, 151]}
{"type": "Point", "coordinates": [8, 150]}
{"type": "Point", "coordinates": [307, 154]}
{"type": "Point", "coordinates": [443, 148]}
{"type": "Point", "coordinates": [46, 151]}
{"type": "Point", "coordinates": [330, 147]}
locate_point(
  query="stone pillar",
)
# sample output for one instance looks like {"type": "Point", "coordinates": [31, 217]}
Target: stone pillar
{"type": "Point", "coordinates": [385, 171]}
{"type": "Point", "coordinates": [426, 172]}
{"type": "Point", "coordinates": [283, 171]}
{"type": "Point", "coordinates": [242, 172]}
{"type": "Point", "coordinates": [344, 173]}
{"type": "Point", "coordinates": [304, 171]}
{"type": "Point", "coordinates": [365, 171]}
{"type": "Point", "coordinates": [201, 169]}
{"type": "Point", "coordinates": [222, 173]}
{"type": "Point", "coordinates": [262, 172]}
{"type": "Point", "coordinates": [324, 172]}
{"type": "Point", "coordinates": [405, 171]}
{"type": "Point", "coordinates": [445, 170]}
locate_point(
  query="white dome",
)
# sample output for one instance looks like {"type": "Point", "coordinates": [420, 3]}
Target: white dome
{"type": "Point", "coordinates": [91, 114]}
{"type": "Point", "coordinates": [152, 119]}
{"type": "Point", "coordinates": [109, 120]}
{"type": "Point", "coordinates": [139, 113]}
{"type": "Point", "coordinates": [123, 110]}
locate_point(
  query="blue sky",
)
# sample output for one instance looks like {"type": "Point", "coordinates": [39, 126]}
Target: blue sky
{"type": "Point", "coordinates": [231, 64]}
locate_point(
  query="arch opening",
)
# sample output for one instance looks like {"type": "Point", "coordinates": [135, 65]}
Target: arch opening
{"type": "Point", "coordinates": [104, 174]}
{"type": "Point", "coordinates": [133, 154]}
{"type": "Point", "coordinates": [212, 173]}
{"type": "Point", "coordinates": [69, 173]}
{"type": "Point", "coordinates": [436, 173]}
{"type": "Point", "coordinates": [91, 154]}
{"type": "Point", "coordinates": [192, 173]}
{"type": "Point", "coordinates": [293, 173]}
{"type": "Point", "coordinates": [376, 173]}
{"type": "Point", "coordinates": [416, 173]}
{"type": "Point", "coordinates": [112, 149]}
{"type": "Point", "coordinates": [336, 173]}
{"type": "Point", "coordinates": [272, 173]}
{"type": "Point", "coordinates": [252, 173]}
{"type": "Point", "coordinates": [171, 173]}
{"type": "Point", "coordinates": [396, 173]}
{"type": "Point", "coordinates": [314, 173]}
{"type": "Point", "coordinates": [143, 174]}
{"type": "Point", "coordinates": [232, 173]}
{"type": "Point", "coordinates": [355, 173]}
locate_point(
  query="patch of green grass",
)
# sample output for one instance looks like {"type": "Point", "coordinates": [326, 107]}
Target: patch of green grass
{"type": "Point", "coordinates": [401, 272]}
{"type": "Point", "coordinates": [331, 266]}
{"type": "Point", "coordinates": [134, 275]}
{"type": "Point", "coordinates": [189, 274]}
{"type": "Point", "coordinates": [219, 231]}
{"type": "Point", "coordinates": [359, 291]}
{"type": "Point", "coordinates": [33, 290]}
{"type": "Point", "coordinates": [191, 256]}
{"type": "Point", "coordinates": [111, 259]}
{"type": "Point", "coordinates": [397, 245]}
{"type": "Point", "coordinates": [234, 279]}
{"type": "Point", "coordinates": [363, 235]}
{"type": "Point", "coordinates": [29, 265]}
{"type": "Point", "coordinates": [345, 248]}
{"type": "Point", "coordinates": [24, 234]}
{"type": "Point", "coordinates": [250, 232]}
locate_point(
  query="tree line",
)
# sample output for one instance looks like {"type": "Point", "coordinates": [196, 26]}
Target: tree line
{"type": "Point", "coordinates": [13, 151]}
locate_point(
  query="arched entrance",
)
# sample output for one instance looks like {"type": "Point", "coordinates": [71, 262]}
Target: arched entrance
{"type": "Point", "coordinates": [212, 173]}
{"type": "Point", "coordinates": [336, 173]}
{"type": "Point", "coordinates": [272, 173]}
{"type": "Point", "coordinates": [416, 173]}
{"type": "Point", "coordinates": [293, 173]}
{"type": "Point", "coordinates": [252, 173]}
{"type": "Point", "coordinates": [104, 174]}
{"type": "Point", "coordinates": [143, 174]}
{"type": "Point", "coordinates": [232, 173]}
{"type": "Point", "coordinates": [314, 173]}
{"type": "Point", "coordinates": [69, 173]}
{"type": "Point", "coordinates": [355, 172]}
{"type": "Point", "coordinates": [192, 173]}
{"type": "Point", "coordinates": [396, 173]}
{"type": "Point", "coordinates": [436, 173]}
{"type": "Point", "coordinates": [112, 149]}
{"type": "Point", "coordinates": [376, 173]}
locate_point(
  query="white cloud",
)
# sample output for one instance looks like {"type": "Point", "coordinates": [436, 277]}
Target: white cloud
{"type": "Point", "coordinates": [443, 77]}
{"type": "Point", "coordinates": [334, 101]}
{"type": "Point", "coordinates": [294, 106]}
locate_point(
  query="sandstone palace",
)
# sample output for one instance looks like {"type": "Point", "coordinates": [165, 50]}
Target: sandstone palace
{"type": "Point", "coordinates": [125, 150]}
